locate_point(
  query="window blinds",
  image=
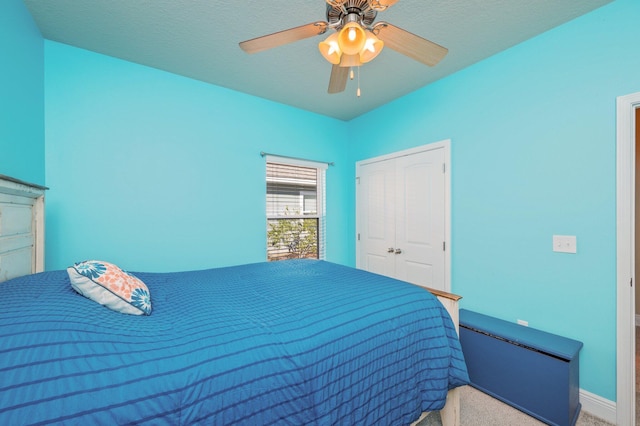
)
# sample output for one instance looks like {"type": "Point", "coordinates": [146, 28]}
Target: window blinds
{"type": "Point", "coordinates": [295, 209]}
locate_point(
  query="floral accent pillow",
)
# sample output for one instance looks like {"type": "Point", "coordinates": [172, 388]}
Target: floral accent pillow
{"type": "Point", "coordinates": [110, 286]}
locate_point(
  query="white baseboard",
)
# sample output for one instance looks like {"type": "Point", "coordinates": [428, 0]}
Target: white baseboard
{"type": "Point", "coordinates": [598, 406]}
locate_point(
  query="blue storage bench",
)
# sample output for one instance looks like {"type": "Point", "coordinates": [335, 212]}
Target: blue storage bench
{"type": "Point", "coordinates": [534, 371]}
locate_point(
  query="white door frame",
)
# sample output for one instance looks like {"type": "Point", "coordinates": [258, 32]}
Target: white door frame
{"type": "Point", "coordinates": [446, 145]}
{"type": "Point", "coordinates": [625, 224]}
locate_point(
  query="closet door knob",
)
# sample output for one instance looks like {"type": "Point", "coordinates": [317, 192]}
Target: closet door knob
{"type": "Point", "coordinates": [398, 251]}
{"type": "Point", "coordinates": [390, 250]}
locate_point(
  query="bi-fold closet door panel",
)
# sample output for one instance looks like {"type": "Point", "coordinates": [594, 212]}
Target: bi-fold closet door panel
{"type": "Point", "coordinates": [376, 210]}
{"type": "Point", "coordinates": [420, 218]}
{"type": "Point", "coordinates": [401, 209]}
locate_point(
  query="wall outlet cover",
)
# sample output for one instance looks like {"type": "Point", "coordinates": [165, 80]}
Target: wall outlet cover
{"type": "Point", "coordinates": [565, 244]}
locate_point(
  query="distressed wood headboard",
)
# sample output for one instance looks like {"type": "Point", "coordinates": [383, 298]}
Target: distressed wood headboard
{"type": "Point", "coordinates": [21, 228]}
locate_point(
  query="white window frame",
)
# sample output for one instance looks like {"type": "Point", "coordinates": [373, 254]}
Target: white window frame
{"type": "Point", "coordinates": [321, 196]}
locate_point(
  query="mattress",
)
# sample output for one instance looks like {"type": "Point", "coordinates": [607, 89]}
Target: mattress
{"type": "Point", "coordinates": [299, 342]}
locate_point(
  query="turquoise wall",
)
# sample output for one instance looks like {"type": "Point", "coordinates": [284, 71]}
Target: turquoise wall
{"type": "Point", "coordinates": [159, 172]}
{"type": "Point", "coordinates": [21, 94]}
{"type": "Point", "coordinates": [533, 143]}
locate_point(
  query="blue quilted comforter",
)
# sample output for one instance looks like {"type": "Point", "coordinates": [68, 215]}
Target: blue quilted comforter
{"type": "Point", "coordinates": [295, 342]}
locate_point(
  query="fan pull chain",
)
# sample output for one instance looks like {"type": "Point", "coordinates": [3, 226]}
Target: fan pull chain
{"type": "Point", "coordinates": [358, 91]}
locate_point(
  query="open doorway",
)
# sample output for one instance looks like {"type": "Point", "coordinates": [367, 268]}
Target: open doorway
{"type": "Point", "coordinates": [626, 119]}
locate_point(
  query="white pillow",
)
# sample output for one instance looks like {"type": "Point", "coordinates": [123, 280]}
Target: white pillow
{"type": "Point", "coordinates": [110, 286]}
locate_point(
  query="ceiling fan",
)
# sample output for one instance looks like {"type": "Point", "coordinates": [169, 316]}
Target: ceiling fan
{"type": "Point", "coordinates": [357, 39]}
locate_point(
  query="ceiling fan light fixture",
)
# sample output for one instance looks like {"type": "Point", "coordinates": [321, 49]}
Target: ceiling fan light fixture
{"type": "Point", "coordinates": [350, 61]}
{"type": "Point", "coordinates": [330, 49]}
{"type": "Point", "coordinates": [372, 48]}
{"type": "Point", "coordinates": [357, 39]}
{"type": "Point", "coordinates": [351, 38]}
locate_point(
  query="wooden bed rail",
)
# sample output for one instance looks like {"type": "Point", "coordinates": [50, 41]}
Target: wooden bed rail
{"type": "Point", "coordinates": [444, 294]}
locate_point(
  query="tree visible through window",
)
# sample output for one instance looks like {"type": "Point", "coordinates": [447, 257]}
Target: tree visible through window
{"type": "Point", "coordinates": [295, 210]}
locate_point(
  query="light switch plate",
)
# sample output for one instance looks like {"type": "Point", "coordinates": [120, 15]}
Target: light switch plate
{"type": "Point", "coordinates": [565, 243]}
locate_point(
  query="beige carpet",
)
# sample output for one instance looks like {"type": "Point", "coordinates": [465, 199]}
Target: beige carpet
{"type": "Point", "coordinates": [480, 409]}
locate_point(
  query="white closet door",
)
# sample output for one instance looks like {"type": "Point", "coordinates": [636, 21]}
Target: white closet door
{"type": "Point", "coordinates": [402, 217]}
{"type": "Point", "coordinates": [376, 210]}
{"type": "Point", "coordinates": [420, 219]}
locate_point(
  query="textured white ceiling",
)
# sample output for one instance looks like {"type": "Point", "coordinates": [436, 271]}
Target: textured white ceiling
{"type": "Point", "coordinates": [199, 39]}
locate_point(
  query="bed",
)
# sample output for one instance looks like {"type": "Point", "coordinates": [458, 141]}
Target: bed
{"type": "Point", "coordinates": [300, 342]}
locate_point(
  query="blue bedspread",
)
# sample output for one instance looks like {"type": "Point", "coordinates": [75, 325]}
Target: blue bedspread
{"type": "Point", "coordinates": [295, 343]}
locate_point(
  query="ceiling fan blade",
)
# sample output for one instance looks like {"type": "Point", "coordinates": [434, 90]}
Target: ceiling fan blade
{"type": "Point", "coordinates": [270, 41]}
{"type": "Point", "coordinates": [409, 44]}
{"type": "Point", "coordinates": [338, 80]}
{"type": "Point", "coordinates": [381, 5]}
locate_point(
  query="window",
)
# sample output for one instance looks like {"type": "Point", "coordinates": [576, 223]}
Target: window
{"type": "Point", "coordinates": [295, 209]}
